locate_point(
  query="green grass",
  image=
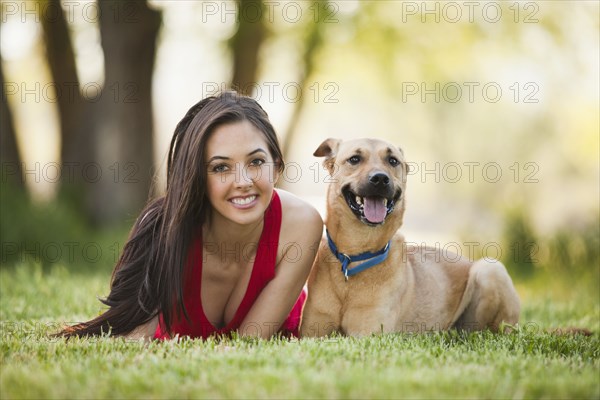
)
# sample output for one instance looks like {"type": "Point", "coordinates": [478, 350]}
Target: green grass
{"type": "Point", "coordinates": [528, 363]}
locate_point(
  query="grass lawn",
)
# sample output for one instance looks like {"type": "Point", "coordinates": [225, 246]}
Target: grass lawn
{"type": "Point", "coordinates": [528, 363]}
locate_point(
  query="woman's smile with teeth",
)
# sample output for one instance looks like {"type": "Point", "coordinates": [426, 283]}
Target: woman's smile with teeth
{"type": "Point", "coordinates": [243, 200]}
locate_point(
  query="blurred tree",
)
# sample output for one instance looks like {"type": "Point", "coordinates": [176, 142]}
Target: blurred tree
{"type": "Point", "coordinates": [313, 43]}
{"type": "Point", "coordinates": [124, 121]}
{"type": "Point", "coordinates": [521, 243]}
{"type": "Point", "coordinates": [246, 43]}
{"type": "Point", "coordinates": [9, 153]}
{"type": "Point", "coordinates": [108, 141]}
{"type": "Point", "coordinates": [73, 112]}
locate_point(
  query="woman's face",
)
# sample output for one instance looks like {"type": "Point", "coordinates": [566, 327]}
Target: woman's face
{"type": "Point", "coordinates": [241, 173]}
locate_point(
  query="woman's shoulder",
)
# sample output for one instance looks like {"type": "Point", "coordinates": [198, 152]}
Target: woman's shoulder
{"type": "Point", "coordinates": [302, 226]}
{"type": "Point", "coordinates": [298, 213]}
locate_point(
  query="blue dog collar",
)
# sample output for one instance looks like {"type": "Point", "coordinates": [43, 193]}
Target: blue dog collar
{"type": "Point", "coordinates": [372, 258]}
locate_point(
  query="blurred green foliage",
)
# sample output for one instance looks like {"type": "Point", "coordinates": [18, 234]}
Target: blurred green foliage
{"type": "Point", "coordinates": [572, 251]}
{"type": "Point", "coordinates": [521, 243]}
{"type": "Point", "coordinates": [53, 233]}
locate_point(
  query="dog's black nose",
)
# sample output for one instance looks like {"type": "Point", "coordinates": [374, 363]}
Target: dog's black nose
{"type": "Point", "coordinates": [379, 179]}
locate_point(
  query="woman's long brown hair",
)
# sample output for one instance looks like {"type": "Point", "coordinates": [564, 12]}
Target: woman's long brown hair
{"type": "Point", "coordinates": [148, 277]}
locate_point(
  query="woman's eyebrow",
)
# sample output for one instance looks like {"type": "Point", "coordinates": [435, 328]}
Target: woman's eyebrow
{"type": "Point", "coordinates": [259, 150]}
{"type": "Point", "coordinates": [218, 158]}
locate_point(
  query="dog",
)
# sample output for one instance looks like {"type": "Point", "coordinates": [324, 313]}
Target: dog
{"type": "Point", "coordinates": [366, 279]}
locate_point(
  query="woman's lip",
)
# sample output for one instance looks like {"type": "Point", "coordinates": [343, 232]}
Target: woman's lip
{"type": "Point", "coordinates": [247, 201]}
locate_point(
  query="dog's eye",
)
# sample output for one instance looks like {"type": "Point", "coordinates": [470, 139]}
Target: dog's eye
{"type": "Point", "coordinates": [354, 160]}
{"type": "Point", "coordinates": [393, 161]}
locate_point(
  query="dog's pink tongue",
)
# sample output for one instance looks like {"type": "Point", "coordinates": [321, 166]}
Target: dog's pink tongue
{"type": "Point", "coordinates": [375, 209]}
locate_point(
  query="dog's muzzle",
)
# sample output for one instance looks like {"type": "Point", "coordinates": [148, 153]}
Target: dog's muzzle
{"type": "Point", "coordinates": [373, 200]}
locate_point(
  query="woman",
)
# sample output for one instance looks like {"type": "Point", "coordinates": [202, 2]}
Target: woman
{"type": "Point", "coordinates": [223, 250]}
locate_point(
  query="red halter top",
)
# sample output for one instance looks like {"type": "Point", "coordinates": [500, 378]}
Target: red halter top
{"type": "Point", "coordinates": [263, 271]}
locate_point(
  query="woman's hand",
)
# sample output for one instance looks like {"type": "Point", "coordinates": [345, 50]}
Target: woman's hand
{"type": "Point", "coordinates": [145, 331]}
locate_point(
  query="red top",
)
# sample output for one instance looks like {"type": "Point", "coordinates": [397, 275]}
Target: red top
{"type": "Point", "coordinates": [263, 271]}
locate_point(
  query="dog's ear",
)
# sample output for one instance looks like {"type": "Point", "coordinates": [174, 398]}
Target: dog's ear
{"type": "Point", "coordinates": [328, 149]}
{"type": "Point", "coordinates": [406, 164]}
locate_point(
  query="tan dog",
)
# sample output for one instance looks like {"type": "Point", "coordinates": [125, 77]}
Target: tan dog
{"type": "Point", "coordinates": [414, 289]}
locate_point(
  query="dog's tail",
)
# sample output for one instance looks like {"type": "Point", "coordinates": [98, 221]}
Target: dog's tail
{"type": "Point", "coordinates": [571, 331]}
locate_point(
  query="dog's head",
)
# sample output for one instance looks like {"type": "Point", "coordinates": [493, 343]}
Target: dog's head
{"type": "Point", "coordinates": [368, 180]}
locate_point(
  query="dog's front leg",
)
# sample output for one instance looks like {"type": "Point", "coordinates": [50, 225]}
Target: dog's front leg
{"type": "Point", "coordinates": [322, 312]}
{"type": "Point", "coordinates": [364, 321]}
{"type": "Point", "coordinates": [321, 315]}
{"type": "Point", "coordinates": [318, 324]}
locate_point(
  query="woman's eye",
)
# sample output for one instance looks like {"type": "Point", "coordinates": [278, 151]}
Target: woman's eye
{"type": "Point", "coordinates": [394, 162]}
{"type": "Point", "coordinates": [220, 168]}
{"type": "Point", "coordinates": [257, 162]}
{"type": "Point", "coordinates": [354, 160]}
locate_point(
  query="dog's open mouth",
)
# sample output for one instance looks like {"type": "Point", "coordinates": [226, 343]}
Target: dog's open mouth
{"type": "Point", "coordinates": [370, 209]}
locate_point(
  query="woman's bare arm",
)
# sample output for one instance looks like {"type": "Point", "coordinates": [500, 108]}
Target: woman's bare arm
{"type": "Point", "coordinates": [301, 232]}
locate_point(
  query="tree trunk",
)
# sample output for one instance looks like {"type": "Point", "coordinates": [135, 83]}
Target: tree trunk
{"type": "Point", "coordinates": [12, 172]}
{"type": "Point", "coordinates": [246, 43]}
{"type": "Point", "coordinates": [124, 122]}
{"type": "Point", "coordinates": [76, 143]}
{"type": "Point", "coordinates": [314, 42]}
